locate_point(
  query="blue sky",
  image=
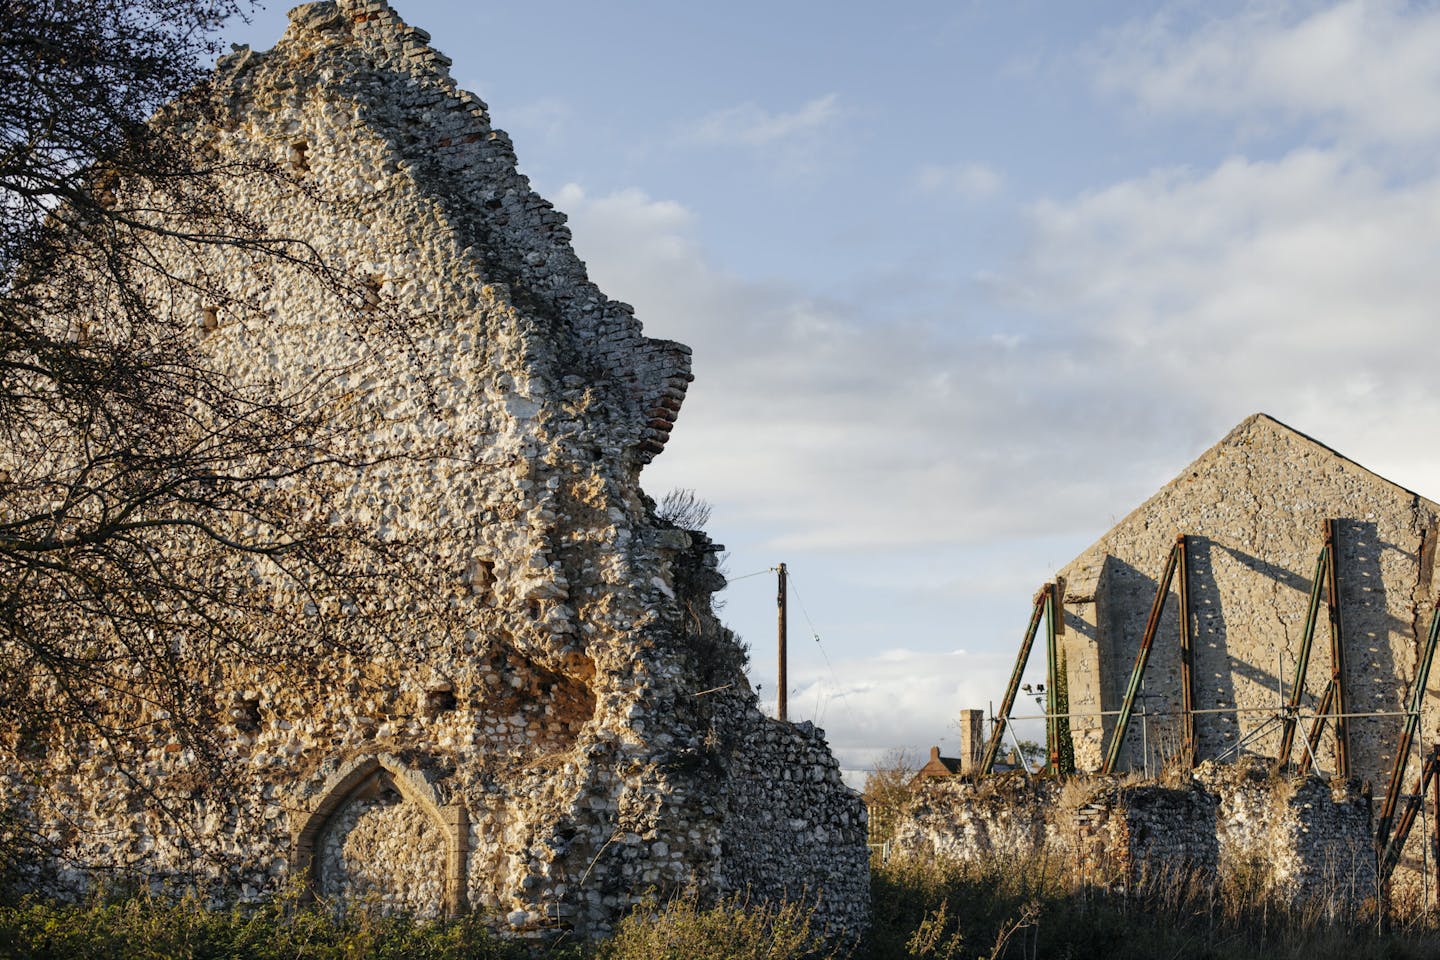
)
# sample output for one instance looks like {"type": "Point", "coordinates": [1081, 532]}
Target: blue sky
{"type": "Point", "coordinates": [967, 281]}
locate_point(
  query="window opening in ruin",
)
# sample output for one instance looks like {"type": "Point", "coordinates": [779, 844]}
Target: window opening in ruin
{"type": "Point", "coordinates": [439, 700]}
{"type": "Point", "coordinates": [247, 715]}
{"type": "Point", "coordinates": [299, 156]}
{"type": "Point", "coordinates": [380, 831]}
{"type": "Point", "coordinates": [209, 320]}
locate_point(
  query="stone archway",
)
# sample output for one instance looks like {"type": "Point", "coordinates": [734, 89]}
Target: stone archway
{"type": "Point", "coordinates": [377, 833]}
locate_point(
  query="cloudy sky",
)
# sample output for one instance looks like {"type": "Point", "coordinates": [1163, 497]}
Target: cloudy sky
{"type": "Point", "coordinates": [966, 281]}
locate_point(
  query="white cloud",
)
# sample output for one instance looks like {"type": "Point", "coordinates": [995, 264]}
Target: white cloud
{"type": "Point", "coordinates": [1143, 320]}
{"type": "Point", "coordinates": [899, 698]}
{"type": "Point", "coordinates": [1304, 286]}
{"type": "Point", "coordinates": [970, 181]}
{"type": "Point", "coordinates": [547, 118]}
{"type": "Point", "coordinates": [833, 423]}
{"type": "Point", "coordinates": [1368, 68]}
{"type": "Point", "coordinates": [753, 125]}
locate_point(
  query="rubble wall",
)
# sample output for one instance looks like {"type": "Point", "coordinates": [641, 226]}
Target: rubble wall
{"type": "Point", "coordinates": [546, 720]}
{"type": "Point", "coordinates": [1232, 825]}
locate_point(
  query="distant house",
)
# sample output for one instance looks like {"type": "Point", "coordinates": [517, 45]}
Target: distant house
{"type": "Point", "coordinates": [939, 766]}
{"type": "Point", "coordinates": [972, 748]}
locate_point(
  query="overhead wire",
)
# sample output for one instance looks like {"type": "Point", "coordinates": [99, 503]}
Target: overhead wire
{"type": "Point", "coordinates": [814, 633]}
{"type": "Point", "coordinates": [757, 573]}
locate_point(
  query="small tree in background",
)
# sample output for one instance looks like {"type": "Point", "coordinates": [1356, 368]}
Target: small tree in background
{"type": "Point", "coordinates": [1032, 754]}
{"type": "Point", "coordinates": [888, 788]}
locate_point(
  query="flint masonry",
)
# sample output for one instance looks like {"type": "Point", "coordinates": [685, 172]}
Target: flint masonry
{"type": "Point", "coordinates": [563, 724]}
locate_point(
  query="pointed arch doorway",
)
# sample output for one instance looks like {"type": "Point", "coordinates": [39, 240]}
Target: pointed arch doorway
{"type": "Point", "coordinates": [379, 836]}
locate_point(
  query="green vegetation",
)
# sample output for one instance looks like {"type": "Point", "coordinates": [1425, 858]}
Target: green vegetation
{"type": "Point", "coordinates": [1065, 745]}
{"type": "Point", "coordinates": [1033, 909]}
{"type": "Point", "coordinates": [141, 928]}
{"type": "Point", "coordinates": [684, 929]}
{"type": "Point", "coordinates": [923, 911]}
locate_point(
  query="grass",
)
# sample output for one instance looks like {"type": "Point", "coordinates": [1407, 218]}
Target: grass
{"type": "Point", "coordinates": [144, 928]}
{"type": "Point", "coordinates": [1036, 910]}
{"type": "Point", "coordinates": [921, 911]}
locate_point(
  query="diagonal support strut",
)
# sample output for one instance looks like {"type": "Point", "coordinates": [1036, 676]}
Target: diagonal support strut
{"type": "Point", "coordinates": [1142, 656]}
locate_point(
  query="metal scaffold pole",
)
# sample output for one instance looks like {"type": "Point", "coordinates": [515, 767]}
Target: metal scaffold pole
{"type": "Point", "coordinates": [997, 734]}
{"type": "Point", "coordinates": [1302, 662]}
{"type": "Point", "coordinates": [1187, 656]}
{"type": "Point", "coordinates": [1337, 653]}
{"type": "Point", "coordinates": [1407, 735]}
{"type": "Point", "coordinates": [1142, 657]}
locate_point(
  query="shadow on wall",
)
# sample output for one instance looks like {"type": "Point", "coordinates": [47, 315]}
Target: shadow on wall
{"type": "Point", "coordinates": [1371, 672]}
{"type": "Point", "coordinates": [1174, 834]}
{"type": "Point", "coordinates": [1215, 733]}
{"type": "Point", "coordinates": [1124, 595]}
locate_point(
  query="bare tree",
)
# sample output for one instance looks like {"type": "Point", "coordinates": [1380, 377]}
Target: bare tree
{"type": "Point", "coordinates": [151, 522]}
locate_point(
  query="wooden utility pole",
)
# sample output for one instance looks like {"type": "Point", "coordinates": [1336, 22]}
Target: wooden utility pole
{"type": "Point", "coordinates": [784, 683]}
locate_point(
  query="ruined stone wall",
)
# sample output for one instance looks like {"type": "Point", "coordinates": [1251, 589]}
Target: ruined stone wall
{"type": "Point", "coordinates": [1252, 507]}
{"type": "Point", "coordinates": [546, 720]}
{"type": "Point", "coordinates": [1232, 825]}
{"type": "Point", "coordinates": [770, 814]}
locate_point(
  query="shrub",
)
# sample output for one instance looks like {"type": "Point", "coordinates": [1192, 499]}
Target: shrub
{"type": "Point", "coordinates": [734, 929]}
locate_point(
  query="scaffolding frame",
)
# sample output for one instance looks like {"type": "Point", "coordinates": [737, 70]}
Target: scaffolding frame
{"type": "Point", "coordinates": [1391, 833]}
{"type": "Point", "coordinates": [1390, 852]}
{"type": "Point", "coordinates": [1043, 606]}
{"type": "Point", "coordinates": [1407, 736]}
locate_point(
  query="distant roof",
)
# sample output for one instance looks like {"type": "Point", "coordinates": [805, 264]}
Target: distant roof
{"type": "Point", "coordinates": [939, 766]}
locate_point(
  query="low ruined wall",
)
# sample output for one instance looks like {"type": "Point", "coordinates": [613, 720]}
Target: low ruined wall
{"type": "Point", "coordinates": [803, 818]}
{"type": "Point", "coordinates": [1233, 824]}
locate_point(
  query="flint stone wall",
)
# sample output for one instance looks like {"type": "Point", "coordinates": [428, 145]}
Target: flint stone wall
{"type": "Point", "coordinates": [1252, 507]}
{"type": "Point", "coordinates": [546, 720]}
{"type": "Point", "coordinates": [1228, 824]}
